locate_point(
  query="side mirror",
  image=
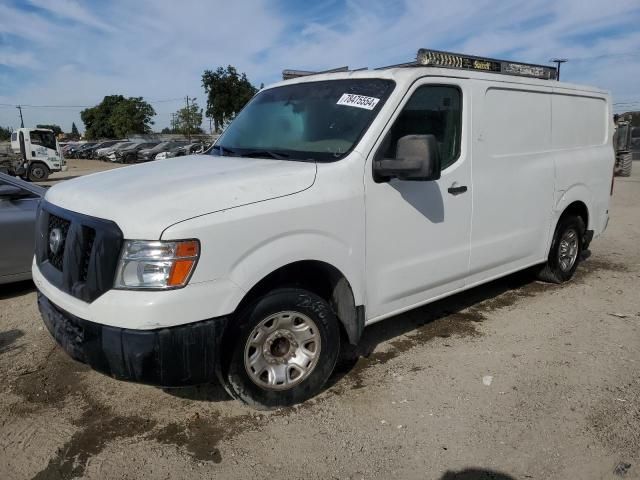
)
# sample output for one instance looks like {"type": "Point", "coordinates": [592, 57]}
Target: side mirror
{"type": "Point", "coordinates": [417, 159]}
{"type": "Point", "coordinates": [9, 192]}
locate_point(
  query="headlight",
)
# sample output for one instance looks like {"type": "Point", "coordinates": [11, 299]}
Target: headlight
{"type": "Point", "coordinates": [156, 265]}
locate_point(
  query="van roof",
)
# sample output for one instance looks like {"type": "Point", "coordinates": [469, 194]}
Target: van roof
{"type": "Point", "coordinates": [407, 75]}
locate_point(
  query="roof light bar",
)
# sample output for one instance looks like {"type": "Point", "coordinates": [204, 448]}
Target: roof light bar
{"type": "Point", "coordinates": [437, 58]}
{"type": "Point", "coordinates": [289, 74]}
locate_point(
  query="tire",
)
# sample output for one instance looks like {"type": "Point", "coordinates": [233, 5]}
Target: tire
{"type": "Point", "coordinates": [626, 162]}
{"type": "Point", "coordinates": [563, 256]}
{"type": "Point", "coordinates": [38, 172]}
{"type": "Point", "coordinates": [266, 364]}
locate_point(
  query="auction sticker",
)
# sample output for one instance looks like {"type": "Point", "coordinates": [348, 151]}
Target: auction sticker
{"type": "Point", "coordinates": [360, 101]}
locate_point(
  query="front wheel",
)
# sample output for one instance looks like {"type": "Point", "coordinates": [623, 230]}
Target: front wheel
{"type": "Point", "coordinates": [566, 250]}
{"type": "Point", "coordinates": [38, 172]}
{"type": "Point", "coordinates": [281, 349]}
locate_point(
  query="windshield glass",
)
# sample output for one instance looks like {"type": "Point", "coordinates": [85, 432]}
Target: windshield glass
{"type": "Point", "coordinates": [314, 120]}
{"type": "Point", "coordinates": [43, 138]}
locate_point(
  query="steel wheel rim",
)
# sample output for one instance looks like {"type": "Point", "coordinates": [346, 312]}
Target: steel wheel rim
{"type": "Point", "coordinates": [37, 172]}
{"type": "Point", "coordinates": [282, 350]}
{"type": "Point", "coordinates": [568, 250]}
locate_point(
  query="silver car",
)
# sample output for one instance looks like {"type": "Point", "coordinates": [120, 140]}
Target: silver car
{"type": "Point", "coordinates": [18, 207]}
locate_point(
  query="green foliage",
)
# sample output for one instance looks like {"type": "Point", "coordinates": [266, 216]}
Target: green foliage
{"type": "Point", "coordinates": [56, 128]}
{"type": "Point", "coordinates": [5, 134]}
{"type": "Point", "coordinates": [74, 131]}
{"type": "Point", "coordinates": [188, 120]}
{"type": "Point", "coordinates": [117, 117]}
{"type": "Point", "coordinates": [227, 92]}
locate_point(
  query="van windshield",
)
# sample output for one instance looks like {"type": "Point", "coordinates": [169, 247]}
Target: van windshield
{"type": "Point", "coordinates": [313, 120]}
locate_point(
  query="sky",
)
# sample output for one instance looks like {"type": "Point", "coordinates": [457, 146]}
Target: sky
{"type": "Point", "coordinates": [68, 54]}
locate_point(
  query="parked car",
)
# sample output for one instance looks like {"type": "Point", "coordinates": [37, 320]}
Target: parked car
{"type": "Point", "coordinates": [69, 147]}
{"type": "Point", "coordinates": [331, 202]}
{"type": "Point", "coordinates": [147, 154]}
{"type": "Point", "coordinates": [90, 151]}
{"type": "Point", "coordinates": [130, 153]}
{"type": "Point", "coordinates": [102, 152]}
{"type": "Point", "coordinates": [180, 151]}
{"type": "Point", "coordinates": [192, 148]}
{"type": "Point", "coordinates": [109, 154]}
{"type": "Point", "coordinates": [82, 150]}
{"type": "Point", "coordinates": [19, 202]}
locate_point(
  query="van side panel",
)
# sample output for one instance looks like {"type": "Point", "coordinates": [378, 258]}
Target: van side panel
{"type": "Point", "coordinates": [513, 178]}
{"type": "Point", "coordinates": [582, 137]}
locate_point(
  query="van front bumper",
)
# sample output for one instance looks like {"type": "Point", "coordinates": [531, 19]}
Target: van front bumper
{"type": "Point", "coordinates": [170, 357]}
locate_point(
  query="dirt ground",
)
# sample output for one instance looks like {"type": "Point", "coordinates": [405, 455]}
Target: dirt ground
{"type": "Point", "coordinates": [514, 379]}
{"type": "Point", "coordinates": [79, 167]}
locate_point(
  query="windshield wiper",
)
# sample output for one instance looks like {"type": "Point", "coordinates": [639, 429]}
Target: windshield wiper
{"type": "Point", "coordinates": [265, 153]}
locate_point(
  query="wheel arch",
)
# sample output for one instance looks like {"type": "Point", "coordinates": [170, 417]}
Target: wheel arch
{"type": "Point", "coordinates": [324, 280]}
{"type": "Point", "coordinates": [576, 207]}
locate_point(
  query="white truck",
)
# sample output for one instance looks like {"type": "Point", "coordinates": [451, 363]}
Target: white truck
{"type": "Point", "coordinates": [330, 203]}
{"type": "Point", "coordinates": [36, 154]}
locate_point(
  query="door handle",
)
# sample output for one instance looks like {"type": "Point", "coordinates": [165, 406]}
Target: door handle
{"type": "Point", "coordinates": [457, 190]}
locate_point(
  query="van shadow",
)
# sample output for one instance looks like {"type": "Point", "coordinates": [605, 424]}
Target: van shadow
{"type": "Point", "coordinates": [8, 338]}
{"type": "Point", "coordinates": [16, 289]}
{"type": "Point", "coordinates": [475, 474]}
{"type": "Point", "coordinates": [456, 315]}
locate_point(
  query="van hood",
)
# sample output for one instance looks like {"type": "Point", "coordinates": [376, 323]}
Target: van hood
{"type": "Point", "coordinates": [147, 198]}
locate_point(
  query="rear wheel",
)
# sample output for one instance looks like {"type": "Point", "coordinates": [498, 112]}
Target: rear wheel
{"type": "Point", "coordinates": [626, 162]}
{"type": "Point", "coordinates": [281, 349]}
{"type": "Point", "coordinates": [565, 252]}
{"type": "Point", "coordinates": [38, 172]}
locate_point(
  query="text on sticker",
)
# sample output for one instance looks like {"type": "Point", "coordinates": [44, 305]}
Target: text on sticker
{"type": "Point", "coordinates": [359, 101]}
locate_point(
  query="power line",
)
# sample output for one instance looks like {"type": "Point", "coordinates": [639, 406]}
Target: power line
{"type": "Point", "coordinates": [24, 105]}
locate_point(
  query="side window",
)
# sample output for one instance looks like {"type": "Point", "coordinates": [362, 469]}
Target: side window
{"type": "Point", "coordinates": [431, 110]}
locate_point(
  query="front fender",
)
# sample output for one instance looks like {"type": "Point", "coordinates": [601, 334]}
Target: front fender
{"type": "Point", "coordinates": [286, 248]}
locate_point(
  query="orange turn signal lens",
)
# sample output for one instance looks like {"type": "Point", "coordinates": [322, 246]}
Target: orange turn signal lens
{"type": "Point", "coordinates": [180, 272]}
{"type": "Point", "coordinates": [188, 248]}
{"type": "Point", "coordinates": [186, 255]}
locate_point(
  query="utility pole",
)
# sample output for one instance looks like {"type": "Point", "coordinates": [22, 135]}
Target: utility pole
{"type": "Point", "coordinates": [174, 123]}
{"type": "Point", "coordinates": [558, 62]}
{"type": "Point", "coordinates": [188, 121]}
{"type": "Point", "coordinates": [19, 107]}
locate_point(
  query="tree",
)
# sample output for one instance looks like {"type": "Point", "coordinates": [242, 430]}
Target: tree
{"type": "Point", "coordinates": [188, 120]}
{"type": "Point", "coordinates": [56, 128]}
{"type": "Point", "coordinates": [74, 131]}
{"type": "Point", "coordinates": [117, 117]}
{"type": "Point", "coordinates": [5, 134]}
{"type": "Point", "coordinates": [227, 92]}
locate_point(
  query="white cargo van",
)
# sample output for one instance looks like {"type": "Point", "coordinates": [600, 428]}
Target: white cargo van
{"type": "Point", "coordinates": [331, 202]}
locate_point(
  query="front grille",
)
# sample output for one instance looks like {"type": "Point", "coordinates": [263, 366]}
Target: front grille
{"type": "Point", "coordinates": [85, 260]}
{"type": "Point", "coordinates": [89, 239]}
{"type": "Point", "coordinates": [57, 258]}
